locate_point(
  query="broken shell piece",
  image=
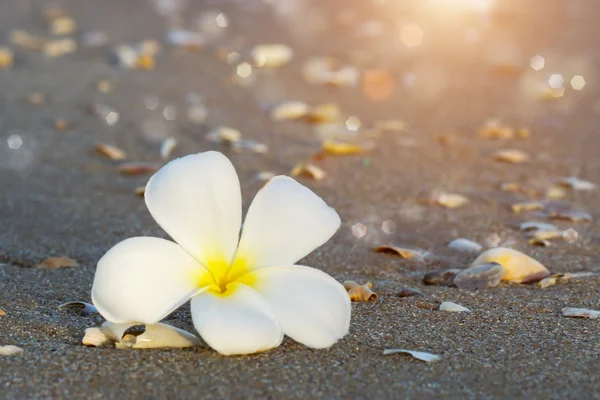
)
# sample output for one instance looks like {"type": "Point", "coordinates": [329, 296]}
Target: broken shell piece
{"type": "Point", "coordinates": [62, 26]}
{"type": "Point", "coordinates": [60, 47]}
{"type": "Point", "coordinates": [392, 125]}
{"type": "Point", "coordinates": [539, 242]}
{"type": "Point", "coordinates": [61, 124]}
{"type": "Point", "coordinates": [289, 110]}
{"type": "Point", "coordinates": [94, 337]}
{"type": "Point", "coordinates": [138, 168]}
{"type": "Point", "coordinates": [575, 183]}
{"type": "Point", "coordinates": [419, 355]}
{"type": "Point", "coordinates": [512, 156]}
{"type": "Point", "coordinates": [322, 71]}
{"type": "Point", "coordinates": [145, 62]}
{"type": "Point", "coordinates": [250, 145]}
{"type": "Point", "coordinates": [520, 268]}
{"type": "Point", "coordinates": [166, 147]}
{"type": "Point", "coordinates": [265, 175]}
{"type": "Point", "coordinates": [441, 278]}
{"type": "Point", "coordinates": [453, 307]}
{"type": "Point", "coordinates": [545, 234]}
{"type": "Point", "coordinates": [569, 215]}
{"type": "Point", "coordinates": [2, 313]}
{"type": "Point", "coordinates": [493, 130]}
{"type": "Point", "coordinates": [562, 278]}
{"type": "Point", "coordinates": [26, 40]}
{"type": "Point", "coordinates": [580, 313]}
{"type": "Point", "coordinates": [6, 57]}
{"type": "Point", "coordinates": [309, 170]}
{"type": "Point", "coordinates": [327, 112]}
{"type": "Point", "coordinates": [124, 56]}
{"type": "Point", "coordinates": [158, 335]}
{"type": "Point", "coordinates": [527, 206]}
{"type": "Point", "coordinates": [224, 134]}
{"type": "Point", "coordinates": [140, 191]}
{"type": "Point", "coordinates": [36, 98]}
{"type": "Point", "coordinates": [57, 262]}
{"type": "Point", "coordinates": [401, 251]}
{"type": "Point", "coordinates": [84, 308]}
{"type": "Point", "coordinates": [188, 39]}
{"type": "Point", "coordinates": [450, 200]}
{"type": "Point", "coordinates": [271, 55]}
{"type": "Point", "coordinates": [535, 226]}
{"type": "Point", "coordinates": [465, 245]}
{"type": "Point", "coordinates": [112, 152]}
{"type": "Point", "coordinates": [480, 277]}
{"type": "Point", "coordinates": [337, 147]}
{"type": "Point", "coordinates": [10, 350]}
{"type": "Point", "coordinates": [555, 193]}
{"type": "Point", "coordinates": [360, 293]}
{"type": "Point", "coordinates": [409, 292]}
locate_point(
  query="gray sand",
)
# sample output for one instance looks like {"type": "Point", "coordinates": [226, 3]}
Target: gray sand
{"type": "Point", "coordinates": [59, 198]}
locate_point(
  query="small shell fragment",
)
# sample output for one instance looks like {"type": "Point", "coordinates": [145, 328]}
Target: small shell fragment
{"type": "Point", "coordinates": [575, 183]}
{"type": "Point", "coordinates": [526, 206]}
{"type": "Point", "coordinates": [480, 277]}
{"type": "Point", "coordinates": [539, 242]}
{"type": "Point", "coordinates": [337, 147]}
{"type": "Point", "coordinates": [60, 47]}
{"type": "Point", "coordinates": [580, 313]}
{"type": "Point", "coordinates": [159, 335]}
{"type": "Point", "coordinates": [453, 307]}
{"type": "Point", "coordinates": [322, 113]}
{"type": "Point", "coordinates": [2, 313]}
{"type": "Point", "coordinates": [140, 191]}
{"type": "Point", "coordinates": [84, 308]}
{"type": "Point", "coordinates": [465, 245]}
{"type": "Point", "coordinates": [57, 262]}
{"type": "Point", "coordinates": [138, 168]}
{"type": "Point", "coordinates": [289, 110]}
{"type": "Point", "coordinates": [520, 268]}
{"type": "Point", "coordinates": [562, 278]}
{"type": "Point", "coordinates": [403, 252]}
{"type": "Point", "coordinates": [251, 146]}
{"type": "Point", "coordinates": [61, 124]}
{"type": "Point", "coordinates": [36, 98]}
{"type": "Point", "coordinates": [409, 292]}
{"type": "Point", "coordinates": [188, 39]}
{"type": "Point", "coordinates": [271, 55]}
{"type": "Point", "coordinates": [360, 293]}
{"type": "Point", "coordinates": [450, 200]}
{"type": "Point", "coordinates": [537, 226]}
{"type": "Point", "coordinates": [512, 156]}
{"type": "Point", "coordinates": [545, 234]}
{"type": "Point", "coordinates": [441, 278]}
{"type": "Point", "coordinates": [10, 350]}
{"type": "Point", "coordinates": [570, 215]}
{"type": "Point", "coordinates": [62, 26]}
{"type": "Point", "coordinates": [112, 152]}
{"type": "Point", "coordinates": [494, 130]}
{"type": "Point", "coordinates": [224, 134]}
{"type": "Point", "coordinates": [6, 57]}
{"type": "Point", "coordinates": [94, 337]}
{"type": "Point", "coordinates": [166, 147]}
{"type": "Point", "coordinates": [27, 40]}
{"type": "Point", "coordinates": [265, 175]}
{"type": "Point", "coordinates": [309, 170]}
{"type": "Point", "coordinates": [419, 355]}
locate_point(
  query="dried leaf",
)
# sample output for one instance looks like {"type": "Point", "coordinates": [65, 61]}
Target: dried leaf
{"type": "Point", "coordinates": [401, 251]}
{"type": "Point", "coordinates": [580, 313]}
{"type": "Point", "coordinates": [419, 355]}
{"type": "Point", "coordinates": [575, 183]}
{"type": "Point", "coordinates": [112, 152]}
{"type": "Point", "coordinates": [138, 168]}
{"type": "Point", "coordinates": [336, 147]}
{"type": "Point", "coordinates": [289, 110]}
{"type": "Point", "coordinates": [562, 278]}
{"type": "Point", "coordinates": [57, 262]}
{"type": "Point", "coordinates": [465, 245]}
{"type": "Point", "coordinates": [520, 268]}
{"type": "Point", "coordinates": [250, 145]}
{"type": "Point", "coordinates": [512, 156]}
{"type": "Point", "coordinates": [310, 170]}
{"type": "Point", "coordinates": [377, 84]}
{"type": "Point", "coordinates": [83, 308]}
{"type": "Point", "coordinates": [194, 41]}
{"type": "Point", "coordinates": [10, 350]}
{"type": "Point", "coordinates": [453, 307]}
{"type": "Point", "coordinates": [450, 200]}
{"type": "Point", "coordinates": [166, 147]}
{"type": "Point", "coordinates": [271, 55]}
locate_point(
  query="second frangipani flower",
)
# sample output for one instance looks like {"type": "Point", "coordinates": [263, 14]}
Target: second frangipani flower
{"type": "Point", "coordinates": [245, 292]}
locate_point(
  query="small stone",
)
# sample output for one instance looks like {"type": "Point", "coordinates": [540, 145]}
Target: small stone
{"type": "Point", "coordinates": [480, 277]}
{"type": "Point", "coordinates": [401, 251]}
{"type": "Point", "coordinates": [453, 307]}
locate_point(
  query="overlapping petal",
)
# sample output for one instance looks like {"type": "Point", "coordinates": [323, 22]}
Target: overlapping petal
{"type": "Point", "coordinates": [144, 279]}
{"type": "Point", "coordinates": [238, 323]}
{"type": "Point", "coordinates": [196, 199]}
{"type": "Point", "coordinates": [285, 222]}
{"type": "Point", "coordinates": [311, 306]}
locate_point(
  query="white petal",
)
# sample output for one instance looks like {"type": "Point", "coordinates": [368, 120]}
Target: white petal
{"type": "Point", "coordinates": [285, 222]}
{"type": "Point", "coordinates": [197, 200]}
{"type": "Point", "coordinates": [312, 307]}
{"type": "Point", "coordinates": [144, 279]}
{"type": "Point", "coordinates": [239, 323]}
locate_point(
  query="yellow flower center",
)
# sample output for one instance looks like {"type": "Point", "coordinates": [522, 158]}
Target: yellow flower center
{"type": "Point", "coordinates": [222, 275]}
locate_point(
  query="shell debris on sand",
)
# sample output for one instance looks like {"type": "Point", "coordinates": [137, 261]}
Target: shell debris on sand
{"type": "Point", "coordinates": [465, 245]}
{"type": "Point", "coordinates": [576, 183]}
{"type": "Point", "coordinates": [512, 156]}
{"type": "Point", "coordinates": [2, 313]}
{"type": "Point", "coordinates": [361, 293]}
{"type": "Point", "coordinates": [580, 313]}
{"type": "Point", "coordinates": [57, 262]}
{"type": "Point", "coordinates": [520, 268]}
{"type": "Point", "coordinates": [450, 200]}
{"type": "Point", "coordinates": [309, 170]}
{"type": "Point", "coordinates": [566, 277]}
{"type": "Point", "coordinates": [480, 277]}
{"type": "Point", "coordinates": [159, 335]}
{"type": "Point", "coordinates": [453, 307]}
{"type": "Point", "coordinates": [10, 350]}
{"type": "Point", "coordinates": [441, 278]}
{"type": "Point", "coordinates": [271, 55]}
{"type": "Point", "coordinates": [289, 110]}
{"type": "Point", "coordinates": [403, 252]}
{"type": "Point", "coordinates": [419, 355]}
{"type": "Point", "coordinates": [84, 308]}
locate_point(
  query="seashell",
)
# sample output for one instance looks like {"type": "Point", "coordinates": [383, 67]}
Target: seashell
{"type": "Point", "coordinates": [580, 313]}
{"type": "Point", "coordinates": [84, 308]}
{"type": "Point", "coordinates": [569, 215]}
{"type": "Point", "coordinates": [250, 145]}
{"type": "Point", "coordinates": [36, 98]}
{"type": "Point", "coordinates": [480, 277]}
{"type": "Point", "coordinates": [465, 245]}
{"type": "Point", "coordinates": [271, 55]}
{"type": "Point", "coordinates": [535, 226]}
{"type": "Point", "coordinates": [345, 76]}
{"type": "Point", "coordinates": [316, 70]}
{"type": "Point", "coordinates": [27, 40]}
{"type": "Point", "coordinates": [409, 292]}
{"type": "Point", "coordinates": [265, 175]}
{"type": "Point", "coordinates": [112, 152]}
{"type": "Point", "coordinates": [563, 278]}
{"type": "Point", "coordinates": [6, 57]}
{"type": "Point", "coordinates": [166, 147]}
{"type": "Point", "coordinates": [60, 47]}
{"type": "Point", "coordinates": [124, 56]}
{"type": "Point", "coordinates": [158, 335]}
{"type": "Point", "coordinates": [337, 147]}
{"type": "Point", "coordinates": [145, 61]}
{"type": "Point", "coordinates": [62, 26]}
{"type": "Point", "coordinates": [512, 156]}
{"type": "Point", "coordinates": [321, 113]}
{"type": "Point", "coordinates": [440, 278]}
{"type": "Point", "coordinates": [94, 337]}
{"type": "Point", "coordinates": [401, 251]}
{"type": "Point", "coordinates": [361, 293]}
{"type": "Point", "coordinates": [148, 47]}
{"type": "Point", "coordinates": [289, 110]}
{"type": "Point", "coordinates": [10, 350]}
{"type": "Point", "coordinates": [520, 268]}
{"type": "Point", "coordinates": [138, 168]}
{"type": "Point", "coordinates": [539, 242]}
{"type": "Point", "coordinates": [450, 200]}
{"type": "Point", "coordinates": [309, 170]}
{"type": "Point", "coordinates": [224, 134]}
{"type": "Point", "coordinates": [419, 355]}
{"type": "Point", "coordinates": [184, 38]}
{"type": "Point", "coordinates": [140, 191]}
{"type": "Point", "coordinates": [493, 130]}
{"type": "Point", "coordinates": [453, 307]}
{"type": "Point", "coordinates": [526, 206]}
{"type": "Point", "coordinates": [57, 262]}
{"type": "Point", "coordinates": [575, 183]}
{"type": "Point", "coordinates": [523, 133]}
{"type": "Point", "coordinates": [555, 193]}
{"type": "Point", "coordinates": [2, 313]}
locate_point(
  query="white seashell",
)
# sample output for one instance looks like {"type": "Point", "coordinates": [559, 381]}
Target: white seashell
{"type": "Point", "coordinates": [580, 313]}
{"type": "Point", "coordinates": [419, 355]}
{"type": "Point", "coordinates": [94, 337]}
{"type": "Point", "coordinates": [520, 268]}
{"type": "Point", "coordinates": [190, 39]}
{"type": "Point", "coordinates": [453, 307]}
{"type": "Point", "coordinates": [289, 110]}
{"type": "Point", "coordinates": [271, 55]}
{"type": "Point", "coordinates": [166, 147]}
{"type": "Point", "coordinates": [575, 183]}
{"type": "Point", "coordinates": [512, 156]}
{"type": "Point", "coordinates": [465, 245]}
{"type": "Point", "coordinates": [450, 200]}
{"type": "Point", "coordinates": [224, 134]}
{"type": "Point", "coordinates": [537, 226]}
{"type": "Point", "coordinates": [85, 308]}
{"type": "Point", "coordinates": [159, 336]}
{"type": "Point", "coordinates": [10, 350]}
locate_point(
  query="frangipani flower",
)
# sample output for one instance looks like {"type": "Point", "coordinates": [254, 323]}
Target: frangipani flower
{"type": "Point", "coordinates": [245, 292]}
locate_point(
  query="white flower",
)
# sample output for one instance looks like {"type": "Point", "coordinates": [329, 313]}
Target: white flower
{"type": "Point", "coordinates": [245, 296]}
